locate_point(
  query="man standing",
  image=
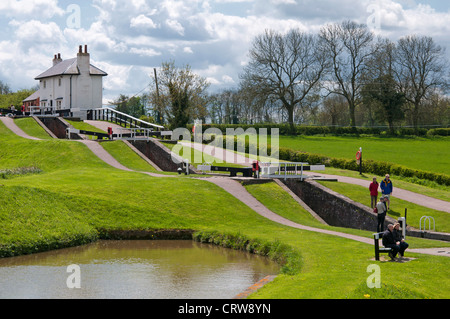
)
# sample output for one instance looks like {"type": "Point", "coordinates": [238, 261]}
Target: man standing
{"type": "Point", "coordinates": [386, 189]}
{"type": "Point", "coordinates": [381, 211]}
{"type": "Point", "coordinates": [373, 188]}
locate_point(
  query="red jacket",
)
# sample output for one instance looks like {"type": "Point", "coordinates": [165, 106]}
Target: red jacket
{"type": "Point", "coordinates": [373, 187]}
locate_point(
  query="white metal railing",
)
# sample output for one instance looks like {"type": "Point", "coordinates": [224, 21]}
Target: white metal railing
{"type": "Point", "coordinates": [131, 118]}
{"type": "Point", "coordinates": [41, 110]}
{"type": "Point", "coordinates": [287, 170]}
{"type": "Point", "coordinates": [134, 134]}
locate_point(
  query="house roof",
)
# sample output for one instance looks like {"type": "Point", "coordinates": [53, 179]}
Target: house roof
{"type": "Point", "coordinates": [68, 67]}
{"type": "Point", "coordinates": [32, 97]}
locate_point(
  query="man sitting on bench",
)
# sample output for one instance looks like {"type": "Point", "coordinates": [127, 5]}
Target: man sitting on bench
{"type": "Point", "coordinates": [390, 241]}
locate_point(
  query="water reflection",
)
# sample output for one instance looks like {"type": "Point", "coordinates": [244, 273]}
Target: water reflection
{"type": "Point", "coordinates": [135, 269]}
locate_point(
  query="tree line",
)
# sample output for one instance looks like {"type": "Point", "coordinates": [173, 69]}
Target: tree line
{"type": "Point", "coordinates": [342, 76]}
{"type": "Point", "coordinates": [8, 97]}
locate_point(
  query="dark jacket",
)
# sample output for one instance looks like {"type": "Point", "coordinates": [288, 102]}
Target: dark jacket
{"type": "Point", "coordinates": [388, 238]}
{"type": "Point", "coordinates": [398, 236]}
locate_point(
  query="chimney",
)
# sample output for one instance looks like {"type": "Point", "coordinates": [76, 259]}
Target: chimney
{"type": "Point", "coordinates": [83, 60]}
{"type": "Point", "coordinates": [57, 59]}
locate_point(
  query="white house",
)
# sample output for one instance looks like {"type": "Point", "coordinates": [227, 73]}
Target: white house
{"type": "Point", "coordinates": [72, 85]}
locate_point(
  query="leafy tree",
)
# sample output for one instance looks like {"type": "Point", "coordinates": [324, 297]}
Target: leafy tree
{"type": "Point", "coordinates": [383, 90]}
{"type": "Point", "coordinates": [179, 94]}
{"type": "Point", "coordinates": [132, 106]}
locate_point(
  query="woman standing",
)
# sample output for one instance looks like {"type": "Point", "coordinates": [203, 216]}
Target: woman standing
{"type": "Point", "coordinates": [373, 188]}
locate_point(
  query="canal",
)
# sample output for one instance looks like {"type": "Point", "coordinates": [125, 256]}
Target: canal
{"type": "Point", "coordinates": [135, 269]}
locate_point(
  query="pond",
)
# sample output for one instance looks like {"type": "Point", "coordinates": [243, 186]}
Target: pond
{"type": "Point", "coordinates": [141, 269]}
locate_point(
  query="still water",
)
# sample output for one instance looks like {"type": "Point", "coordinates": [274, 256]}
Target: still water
{"type": "Point", "coordinates": [171, 269]}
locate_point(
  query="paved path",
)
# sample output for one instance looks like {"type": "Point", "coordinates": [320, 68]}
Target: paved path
{"type": "Point", "coordinates": [221, 154]}
{"type": "Point", "coordinates": [9, 123]}
{"type": "Point", "coordinates": [102, 125]}
{"type": "Point", "coordinates": [236, 189]}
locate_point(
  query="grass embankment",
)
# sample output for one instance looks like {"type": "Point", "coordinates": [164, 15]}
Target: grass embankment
{"type": "Point", "coordinates": [78, 198]}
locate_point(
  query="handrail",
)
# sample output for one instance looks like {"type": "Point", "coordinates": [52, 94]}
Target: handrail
{"type": "Point", "coordinates": [287, 169]}
{"type": "Point", "coordinates": [130, 117]}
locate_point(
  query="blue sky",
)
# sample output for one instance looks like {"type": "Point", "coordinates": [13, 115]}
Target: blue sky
{"type": "Point", "coordinates": [127, 39]}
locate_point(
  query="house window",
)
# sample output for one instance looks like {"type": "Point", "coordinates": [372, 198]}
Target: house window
{"type": "Point", "coordinates": [45, 84]}
{"type": "Point", "coordinates": [59, 82]}
{"type": "Point", "coordinates": [58, 104]}
{"type": "Point", "coordinates": [43, 104]}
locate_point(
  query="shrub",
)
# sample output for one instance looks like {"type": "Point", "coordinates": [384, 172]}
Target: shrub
{"type": "Point", "coordinates": [286, 256]}
{"type": "Point", "coordinates": [439, 131]}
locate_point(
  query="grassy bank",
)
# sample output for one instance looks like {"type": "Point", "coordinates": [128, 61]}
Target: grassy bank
{"type": "Point", "coordinates": [78, 198]}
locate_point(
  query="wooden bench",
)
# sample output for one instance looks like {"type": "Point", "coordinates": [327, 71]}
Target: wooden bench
{"type": "Point", "coordinates": [378, 249]}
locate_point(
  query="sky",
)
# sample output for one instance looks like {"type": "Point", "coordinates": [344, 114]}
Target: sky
{"type": "Point", "coordinates": [128, 39]}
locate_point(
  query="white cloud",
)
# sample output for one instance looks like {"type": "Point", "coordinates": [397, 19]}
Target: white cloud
{"type": "Point", "coordinates": [36, 31]}
{"type": "Point", "coordinates": [175, 26]}
{"type": "Point", "coordinates": [43, 9]}
{"type": "Point", "coordinates": [142, 22]}
{"type": "Point", "coordinates": [145, 52]}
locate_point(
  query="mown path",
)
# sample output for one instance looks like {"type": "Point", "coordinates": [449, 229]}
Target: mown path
{"type": "Point", "coordinates": [231, 186]}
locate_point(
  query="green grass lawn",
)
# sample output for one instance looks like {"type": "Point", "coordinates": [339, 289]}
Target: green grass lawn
{"type": "Point", "coordinates": [426, 154]}
{"type": "Point", "coordinates": [32, 128]}
{"type": "Point", "coordinates": [77, 198]}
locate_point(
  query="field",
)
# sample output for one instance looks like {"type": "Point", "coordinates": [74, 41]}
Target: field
{"type": "Point", "coordinates": [76, 198]}
{"type": "Point", "coordinates": [427, 154]}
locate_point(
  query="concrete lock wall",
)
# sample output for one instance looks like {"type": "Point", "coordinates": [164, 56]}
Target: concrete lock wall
{"type": "Point", "coordinates": [334, 208]}
{"type": "Point", "coordinates": [159, 154]}
{"type": "Point", "coordinates": [58, 126]}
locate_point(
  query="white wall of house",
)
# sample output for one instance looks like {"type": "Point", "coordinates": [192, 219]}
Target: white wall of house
{"type": "Point", "coordinates": [75, 92]}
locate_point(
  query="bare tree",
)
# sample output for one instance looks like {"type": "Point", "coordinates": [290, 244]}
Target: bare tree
{"type": "Point", "coordinates": [333, 111]}
{"type": "Point", "coordinates": [349, 46]}
{"type": "Point", "coordinates": [421, 70]}
{"type": "Point", "coordinates": [4, 88]}
{"type": "Point", "coordinates": [287, 67]}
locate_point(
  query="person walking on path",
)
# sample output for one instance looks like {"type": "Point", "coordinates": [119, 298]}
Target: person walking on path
{"type": "Point", "coordinates": [386, 189]}
{"type": "Point", "coordinates": [373, 188]}
{"type": "Point", "coordinates": [381, 214]}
